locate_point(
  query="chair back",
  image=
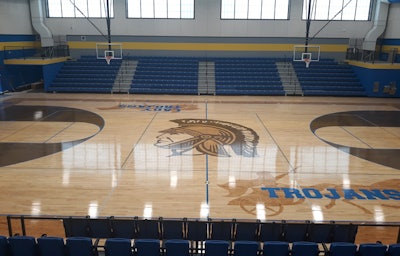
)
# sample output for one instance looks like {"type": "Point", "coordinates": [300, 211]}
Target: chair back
{"type": "Point", "coordinates": [51, 246]}
{"type": "Point", "coordinates": [118, 247]}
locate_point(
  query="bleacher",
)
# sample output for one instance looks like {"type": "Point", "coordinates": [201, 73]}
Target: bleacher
{"type": "Point", "coordinates": [135, 236]}
{"type": "Point", "coordinates": [166, 75]}
{"type": "Point", "coordinates": [86, 74]}
{"type": "Point", "coordinates": [328, 78]}
{"type": "Point", "coordinates": [233, 76]}
{"type": "Point", "coordinates": [247, 76]}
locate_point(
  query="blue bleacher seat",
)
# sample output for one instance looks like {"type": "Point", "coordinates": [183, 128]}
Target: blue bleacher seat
{"type": "Point", "coordinates": [245, 248]}
{"type": "Point", "coordinates": [369, 249]}
{"type": "Point", "coordinates": [166, 75]}
{"type": "Point", "coordinates": [86, 74]}
{"type": "Point", "coordinates": [22, 246]}
{"type": "Point", "coordinates": [147, 247]}
{"type": "Point", "coordinates": [393, 250]}
{"type": "Point", "coordinates": [176, 247]}
{"type": "Point", "coordinates": [216, 248]}
{"type": "Point", "coordinates": [80, 246]}
{"type": "Point", "coordinates": [301, 248]}
{"type": "Point", "coordinates": [4, 246]}
{"type": "Point", "coordinates": [342, 249]}
{"type": "Point", "coordinates": [276, 248]}
{"type": "Point", "coordinates": [328, 78]}
{"type": "Point", "coordinates": [51, 246]}
{"type": "Point", "coordinates": [118, 247]}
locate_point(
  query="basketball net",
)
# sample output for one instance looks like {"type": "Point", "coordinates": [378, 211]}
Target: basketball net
{"type": "Point", "coordinates": [307, 61]}
{"type": "Point", "coordinates": [108, 59]}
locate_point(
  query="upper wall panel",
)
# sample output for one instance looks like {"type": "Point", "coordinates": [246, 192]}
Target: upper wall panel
{"type": "Point", "coordinates": [207, 23]}
{"type": "Point", "coordinates": [15, 17]}
{"type": "Point", "coordinates": [393, 27]}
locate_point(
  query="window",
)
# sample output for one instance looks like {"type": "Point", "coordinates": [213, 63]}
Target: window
{"type": "Point", "coordinates": [79, 8]}
{"type": "Point", "coordinates": [255, 9]}
{"type": "Point", "coordinates": [161, 9]}
{"type": "Point", "coordinates": [337, 9]}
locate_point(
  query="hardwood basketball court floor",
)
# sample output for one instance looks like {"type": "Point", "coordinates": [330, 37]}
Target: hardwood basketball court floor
{"type": "Point", "coordinates": [268, 158]}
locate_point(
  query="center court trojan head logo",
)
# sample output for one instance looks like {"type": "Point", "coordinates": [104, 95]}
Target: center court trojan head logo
{"type": "Point", "coordinates": [208, 137]}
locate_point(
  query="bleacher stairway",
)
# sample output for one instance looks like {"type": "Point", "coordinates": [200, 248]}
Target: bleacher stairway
{"type": "Point", "coordinates": [123, 80]}
{"type": "Point", "coordinates": [206, 79]}
{"type": "Point", "coordinates": [289, 80]}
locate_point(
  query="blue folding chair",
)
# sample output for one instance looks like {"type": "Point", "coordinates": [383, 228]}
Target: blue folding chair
{"type": "Point", "coordinates": [221, 230]}
{"type": "Point", "coordinates": [118, 247]}
{"type": "Point", "coordinates": [321, 232]}
{"type": "Point", "coordinates": [173, 229]}
{"type": "Point", "coordinates": [245, 248]}
{"type": "Point", "coordinates": [345, 233]}
{"type": "Point", "coordinates": [276, 248]}
{"type": "Point", "coordinates": [271, 231]}
{"type": "Point", "coordinates": [51, 246]}
{"type": "Point", "coordinates": [177, 247]}
{"type": "Point", "coordinates": [123, 228]}
{"type": "Point", "coordinates": [342, 249]}
{"type": "Point", "coordinates": [197, 233]}
{"type": "Point", "coordinates": [22, 246]}
{"type": "Point", "coordinates": [295, 232]}
{"type": "Point", "coordinates": [393, 250]}
{"type": "Point", "coordinates": [369, 249]}
{"type": "Point", "coordinates": [148, 229]}
{"type": "Point", "coordinates": [216, 248]}
{"type": "Point", "coordinates": [80, 246]}
{"type": "Point", "coordinates": [147, 247]}
{"type": "Point", "coordinates": [246, 231]}
{"type": "Point", "coordinates": [305, 249]}
{"type": "Point", "coordinates": [4, 246]}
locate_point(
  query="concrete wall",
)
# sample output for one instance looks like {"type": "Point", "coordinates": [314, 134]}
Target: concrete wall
{"type": "Point", "coordinates": [393, 27]}
{"type": "Point", "coordinates": [207, 23]}
{"type": "Point", "coordinates": [15, 17]}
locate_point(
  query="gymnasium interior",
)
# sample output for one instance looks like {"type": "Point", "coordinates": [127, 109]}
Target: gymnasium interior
{"type": "Point", "coordinates": [199, 127]}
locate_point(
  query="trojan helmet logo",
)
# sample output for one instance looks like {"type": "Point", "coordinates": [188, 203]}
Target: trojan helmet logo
{"type": "Point", "coordinates": [208, 137]}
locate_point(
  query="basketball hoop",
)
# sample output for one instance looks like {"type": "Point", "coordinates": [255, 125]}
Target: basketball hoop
{"type": "Point", "coordinates": [108, 59]}
{"type": "Point", "coordinates": [307, 61]}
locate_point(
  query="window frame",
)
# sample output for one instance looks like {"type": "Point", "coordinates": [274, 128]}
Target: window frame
{"type": "Point", "coordinates": [332, 17]}
{"type": "Point", "coordinates": [181, 17]}
{"type": "Point", "coordinates": [263, 2]}
{"type": "Point", "coordinates": [77, 14]}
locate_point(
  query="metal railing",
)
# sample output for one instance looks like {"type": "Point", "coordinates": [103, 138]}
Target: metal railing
{"type": "Point", "coordinates": [23, 52]}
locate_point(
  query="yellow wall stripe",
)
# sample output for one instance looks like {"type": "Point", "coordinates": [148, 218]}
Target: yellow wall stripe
{"type": "Point", "coordinates": [38, 61]}
{"type": "Point", "coordinates": [18, 45]}
{"type": "Point", "coordinates": [374, 65]}
{"type": "Point", "coordinates": [388, 48]}
{"type": "Point", "coordinates": [206, 46]}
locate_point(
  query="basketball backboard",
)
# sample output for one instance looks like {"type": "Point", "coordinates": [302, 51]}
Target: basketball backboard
{"type": "Point", "coordinates": [309, 52]}
{"type": "Point", "coordinates": [108, 51]}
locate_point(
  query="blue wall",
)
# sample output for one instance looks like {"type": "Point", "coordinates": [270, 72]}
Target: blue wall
{"type": "Point", "coordinates": [368, 77]}
{"type": "Point", "coordinates": [12, 76]}
{"type": "Point", "coordinates": [17, 75]}
{"type": "Point", "coordinates": [50, 72]}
